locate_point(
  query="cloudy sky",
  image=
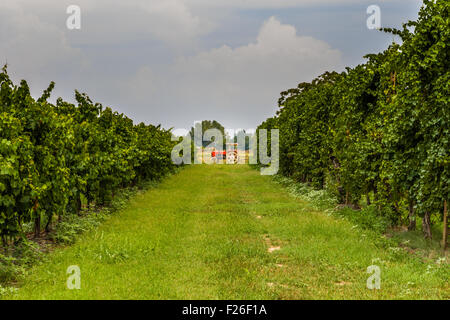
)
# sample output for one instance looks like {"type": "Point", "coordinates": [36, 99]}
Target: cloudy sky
{"type": "Point", "coordinates": [177, 61]}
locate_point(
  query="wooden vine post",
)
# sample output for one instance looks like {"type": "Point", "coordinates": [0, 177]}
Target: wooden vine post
{"type": "Point", "coordinates": [445, 227]}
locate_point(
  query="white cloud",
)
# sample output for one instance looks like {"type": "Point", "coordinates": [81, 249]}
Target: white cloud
{"type": "Point", "coordinates": [172, 21]}
{"type": "Point", "coordinates": [37, 45]}
{"type": "Point", "coordinates": [117, 21]}
{"type": "Point", "coordinates": [112, 21]}
{"type": "Point", "coordinates": [269, 3]}
{"type": "Point", "coordinates": [236, 84]}
{"type": "Point", "coordinates": [240, 84]}
{"type": "Point", "coordinates": [33, 47]}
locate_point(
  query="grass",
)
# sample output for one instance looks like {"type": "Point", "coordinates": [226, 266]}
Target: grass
{"type": "Point", "coordinates": [206, 232]}
{"type": "Point", "coordinates": [415, 241]}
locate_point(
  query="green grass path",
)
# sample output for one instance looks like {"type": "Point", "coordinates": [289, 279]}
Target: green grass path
{"type": "Point", "coordinates": [206, 232]}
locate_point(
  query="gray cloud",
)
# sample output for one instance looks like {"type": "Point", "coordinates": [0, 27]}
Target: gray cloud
{"type": "Point", "coordinates": [240, 86]}
{"type": "Point", "coordinates": [176, 61]}
{"type": "Point", "coordinates": [34, 46]}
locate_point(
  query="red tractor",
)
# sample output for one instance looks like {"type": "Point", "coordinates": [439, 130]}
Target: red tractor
{"type": "Point", "coordinates": [218, 154]}
{"type": "Point", "coordinates": [231, 156]}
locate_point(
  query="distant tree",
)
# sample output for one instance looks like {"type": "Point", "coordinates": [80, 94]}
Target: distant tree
{"type": "Point", "coordinates": [208, 124]}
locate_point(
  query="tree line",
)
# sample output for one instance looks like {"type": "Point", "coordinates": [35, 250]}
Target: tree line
{"type": "Point", "coordinates": [53, 157]}
{"type": "Point", "coordinates": [379, 132]}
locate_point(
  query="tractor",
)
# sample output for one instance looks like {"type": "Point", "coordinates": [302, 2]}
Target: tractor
{"type": "Point", "coordinates": [231, 156]}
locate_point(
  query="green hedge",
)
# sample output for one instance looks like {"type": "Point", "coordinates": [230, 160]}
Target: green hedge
{"type": "Point", "coordinates": [379, 131]}
{"type": "Point", "coordinates": [54, 155]}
